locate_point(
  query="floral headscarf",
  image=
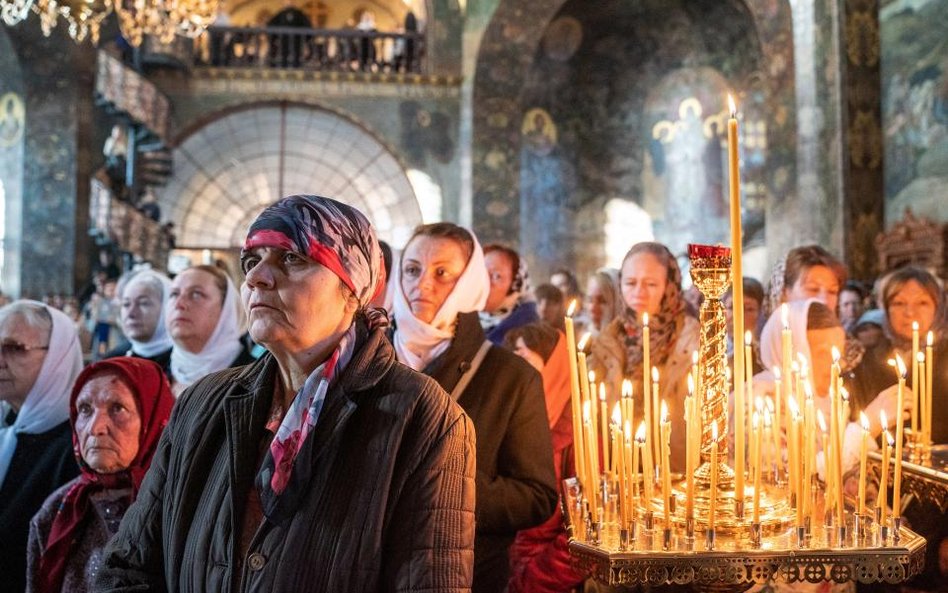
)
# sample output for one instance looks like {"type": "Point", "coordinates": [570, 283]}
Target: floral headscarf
{"type": "Point", "coordinates": [663, 326]}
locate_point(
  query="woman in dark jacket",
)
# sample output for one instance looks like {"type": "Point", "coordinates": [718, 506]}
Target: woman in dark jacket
{"type": "Point", "coordinates": [441, 283]}
{"type": "Point", "coordinates": [323, 466]}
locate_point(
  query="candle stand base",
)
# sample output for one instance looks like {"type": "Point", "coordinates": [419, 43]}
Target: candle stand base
{"type": "Point", "coordinates": [896, 529]}
{"type": "Point", "coordinates": [666, 539]}
{"type": "Point", "coordinates": [755, 535]}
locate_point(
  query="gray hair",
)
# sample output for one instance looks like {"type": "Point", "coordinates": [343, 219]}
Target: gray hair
{"type": "Point", "coordinates": [35, 315]}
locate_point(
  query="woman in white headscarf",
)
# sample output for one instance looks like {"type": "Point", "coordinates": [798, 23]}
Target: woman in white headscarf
{"type": "Point", "coordinates": [204, 322]}
{"type": "Point", "coordinates": [143, 296]}
{"type": "Point", "coordinates": [441, 283]}
{"type": "Point", "coordinates": [40, 358]}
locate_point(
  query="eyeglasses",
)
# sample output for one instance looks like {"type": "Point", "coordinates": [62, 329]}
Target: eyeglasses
{"type": "Point", "coordinates": [15, 349]}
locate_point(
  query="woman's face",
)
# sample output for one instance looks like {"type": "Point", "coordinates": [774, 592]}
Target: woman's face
{"type": "Point", "coordinates": [644, 279]}
{"type": "Point", "coordinates": [141, 310]}
{"type": "Point", "coordinates": [596, 301]}
{"type": "Point", "coordinates": [501, 272]}
{"type": "Point", "coordinates": [816, 282]}
{"type": "Point", "coordinates": [108, 424]}
{"type": "Point", "coordinates": [535, 360]}
{"type": "Point", "coordinates": [194, 308]}
{"type": "Point", "coordinates": [22, 352]}
{"type": "Point", "coordinates": [431, 266]}
{"type": "Point", "coordinates": [911, 303]}
{"type": "Point", "coordinates": [293, 303]}
{"type": "Point", "coordinates": [821, 343]}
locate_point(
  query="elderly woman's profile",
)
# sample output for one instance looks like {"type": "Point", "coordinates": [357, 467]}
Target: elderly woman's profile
{"type": "Point", "coordinates": [323, 466]}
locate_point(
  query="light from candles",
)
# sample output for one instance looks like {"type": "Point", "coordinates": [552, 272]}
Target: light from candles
{"type": "Point", "coordinates": [863, 452]}
{"type": "Point", "coordinates": [899, 435]}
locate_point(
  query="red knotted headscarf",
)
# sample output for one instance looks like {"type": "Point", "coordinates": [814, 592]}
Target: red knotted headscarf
{"type": "Point", "coordinates": [152, 393]}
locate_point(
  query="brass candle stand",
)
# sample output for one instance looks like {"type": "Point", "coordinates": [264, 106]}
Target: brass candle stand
{"type": "Point", "coordinates": [732, 552]}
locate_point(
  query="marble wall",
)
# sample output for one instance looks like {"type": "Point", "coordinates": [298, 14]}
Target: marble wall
{"type": "Point", "coordinates": [47, 227]}
{"type": "Point", "coordinates": [620, 118]}
{"type": "Point", "coordinates": [915, 107]}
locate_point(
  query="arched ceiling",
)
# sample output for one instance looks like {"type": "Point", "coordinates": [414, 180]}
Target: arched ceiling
{"type": "Point", "coordinates": [227, 171]}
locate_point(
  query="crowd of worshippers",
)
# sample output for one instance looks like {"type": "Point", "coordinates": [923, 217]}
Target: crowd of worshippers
{"type": "Point", "coordinates": [391, 424]}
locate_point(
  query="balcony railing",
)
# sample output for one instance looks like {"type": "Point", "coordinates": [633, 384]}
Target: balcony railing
{"type": "Point", "coordinates": [310, 49]}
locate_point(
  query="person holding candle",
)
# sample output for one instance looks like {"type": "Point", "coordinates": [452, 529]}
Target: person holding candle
{"type": "Point", "coordinates": [650, 282]}
{"type": "Point", "coordinates": [442, 283]}
{"type": "Point", "coordinates": [913, 295]}
{"type": "Point", "coordinates": [539, 556]}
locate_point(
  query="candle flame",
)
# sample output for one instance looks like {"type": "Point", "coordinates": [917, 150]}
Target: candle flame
{"type": "Point", "coordinates": [591, 376]}
{"type": "Point", "coordinates": [914, 326]}
{"type": "Point", "coordinates": [664, 414]}
{"type": "Point", "coordinates": [732, 107]}
{"type": "Point", "coordinates": [844, 393]}
{"type": "Point", "coordinates": [864, 420]}
{"type": "Point", "coordinates": [654, 374]}
{"type": "Point", "coordinates": [821, 420]}
{"type": "Point", "coordinates": [920, 357]}
{"type": "Point", "coordinates": [755, 420]}
{"type": "Point", "coordinates": [694, 353]}
{"type": "Point", "coordinates": [785, 316]}
{"type": "Point", "coordinates": [768, 419]}
{"type": "Point", "coordinates": [883, 420]}
{"type": "Point", "coordinates": [793, 406]}
{"type": "Point", "coordinates": [776, 372]}
{"type": "Point", "coordinates": [572, 308]}
{"type": "Point", "coordinates": [889, 439]}
{"type": "Point", "coordinates": [804, 366]}
{"type": "Point", "coordinates": [691, 384]}
{"type": "Point", "coordinates": [769, 402]}
{"type": "Point", "coordinates": [626, 388]}
{"type": "Point", "coordinates": [794, 367]}
{"type": "Point", "coordinates": [759, 403]}
{"type": "Point", "coordinates": [583, 341]}
{"type": "Point", "coordinates": [836, 354]}
{"type": "Point", "coordinates": [602, 392]}
{"type": "Point", "coordinates": [617, 415]}
{"type": "Point", "coordinates": [930, 339]}
{"type": "Point", "coordinates": [901, 365]}
{"type": "Point", "coordinates": [586, 413]}
{"type": "Point", "coordinates": [645, 319]}
{"type": "Point", "coordinates": [808, 390]}
{"type": "Point", "coordinates": [628, 430]}
{"type": "Point", "coordinates": [640, 433]}
{"type": "Point", "coordinates": [714, 431]}
{"type": "Point", "coordinates": [748, 338]}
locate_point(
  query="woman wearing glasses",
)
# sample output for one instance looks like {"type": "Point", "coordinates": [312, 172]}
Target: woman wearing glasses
{"type": "Point", "coordinates": [40, 359]}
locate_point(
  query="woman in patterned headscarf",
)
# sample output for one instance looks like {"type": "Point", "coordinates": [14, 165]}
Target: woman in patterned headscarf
{"type": "Point", "coordinates": [650, 282]}
{"type": "Point", "coordinates": [322, 456]}
{"type": "Point", "coordinates": [510, 301]}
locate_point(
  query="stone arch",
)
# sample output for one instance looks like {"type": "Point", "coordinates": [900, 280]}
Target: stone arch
{"type": "Point", "coordinates": [232, 164]}
{"type": "Point", "coordinates": [507, 54]}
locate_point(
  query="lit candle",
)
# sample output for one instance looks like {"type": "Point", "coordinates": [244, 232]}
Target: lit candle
{"type": "Point", "coordinates": [592, 461]}
{"type": "Point", "coordinates": [749, 375]}
{"type": "Point", "coordinates": [899, 435]}
{"type": "Point", "coordinates": [793, 456]}
{"type": "Point", "coordinates": [582, 367]}
{"type": "Point", "coordinates": [656, 419]}
{"type": "Point", "coordinates": [920, 408]}
{"type": "Point", "coordinates": [809, 447]}
{"type": "Point", "coordinates": [615, 460]}
{"type": "Point", "coordinates": [740, 374]}
{"type": "Point", "coordinates": [821, 420]}
{"type": "Point", "coordinates": [737, 275]}
{"type": "Point", "coordinates": [636, 469]}
{"type": "Point", "coordinates": [713, 502]}
{"type": "Point", "coordinates": [628, 463]}
{"type": "Point", "coordinates": [646, 366]}
{"type": "Point", "coordinates": [648, 467]}
{"type": "Point", "coordinates": [690, 442]}
{"type": "Point", "coordinates": [628, 403]}
{"type": "Point", "coordinates": [929, 343]}
{"type": "Point", "coordinates": [913, 361]}
{"type": "Point", "coordinates": [665, 431]}
{"type": "Point", "coordinates": [883, 488]}
{"type": "Point", "coordinates": [863, 452]}
{"type": "Point", "coordinates": [604, 419]}
{"type": "Point", "coordinates": [575, 395]}
{"type": "Point", "coordinates": [786, 354]}
{"type": "Point", "coordinates": [834, 458]}
{"type": "Point", "coordinates": [755, 431]}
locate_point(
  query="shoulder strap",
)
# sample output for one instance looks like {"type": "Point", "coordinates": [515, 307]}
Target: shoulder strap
{"type": "Point", "coordinates": [471, 370]}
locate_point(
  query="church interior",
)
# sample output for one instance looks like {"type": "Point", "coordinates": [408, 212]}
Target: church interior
{"type": "Point", "coordinates": [566, 130]}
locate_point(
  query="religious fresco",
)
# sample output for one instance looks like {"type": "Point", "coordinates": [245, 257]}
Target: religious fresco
{"type": "Point", "coordinates": [915, 107]}
{"type": "Point", "coordinates": [605, 75]}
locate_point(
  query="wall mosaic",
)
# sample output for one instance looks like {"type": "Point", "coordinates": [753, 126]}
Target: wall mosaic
{"type": "Point", "coordinates": [915, 107]}
{"type": "Point", "coordinates": [12, 129]}
{"type": "Point", "coordinates": [623, 101]}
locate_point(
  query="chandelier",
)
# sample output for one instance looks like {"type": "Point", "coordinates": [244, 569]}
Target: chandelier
{"type": "Point", "coordinates": [162, 19]}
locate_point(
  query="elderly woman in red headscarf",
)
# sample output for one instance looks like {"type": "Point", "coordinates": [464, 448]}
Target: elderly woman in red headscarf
{"type": "Point", "coordinates": [118, 410]}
